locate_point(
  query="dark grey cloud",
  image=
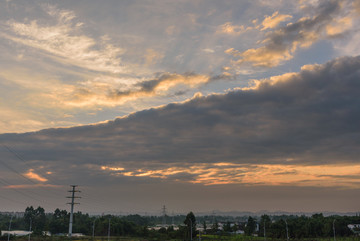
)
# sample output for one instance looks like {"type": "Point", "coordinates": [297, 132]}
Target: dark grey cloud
{"type": "Point", "coordinates": [167, 80]}
{"type": "Point", "coordinates": [311, 117]}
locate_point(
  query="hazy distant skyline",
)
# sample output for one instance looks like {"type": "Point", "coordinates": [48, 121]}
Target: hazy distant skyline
{"type": "Point", "coordinates": [196, 105]}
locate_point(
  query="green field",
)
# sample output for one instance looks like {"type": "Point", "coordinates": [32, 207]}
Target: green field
{"type": "Point", "coordinates": [203, 238]}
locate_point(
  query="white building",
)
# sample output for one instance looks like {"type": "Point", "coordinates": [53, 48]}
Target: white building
{"type": "Point", "coordinates": [15, 232]}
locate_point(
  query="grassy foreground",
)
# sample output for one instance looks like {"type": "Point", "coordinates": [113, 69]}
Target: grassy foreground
{"type": "Point", "coordinates": [249, 238]}
{"type": "Point", "coordinates": [203, 238]}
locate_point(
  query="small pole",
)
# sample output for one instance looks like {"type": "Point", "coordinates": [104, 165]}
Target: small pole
{"type": "Point", "coordinates": [93, 230]}
{"type": "Point", "coordinates": [264, 231]}
{"type": "Point", "coordinates": [109, 231]}
{"type": "Point", "coordinates": [10, 227]}
{"type": "Point", "coordinates": [287, 231]}
{"type": "Point", "coordinates": [30, 228]}
{"type": "Point", "coordinates": [334, 229]}
{"type": "Point", "coordinates": [190, 229]}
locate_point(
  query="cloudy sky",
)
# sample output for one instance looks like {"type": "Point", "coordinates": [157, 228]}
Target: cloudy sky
{"type": "Point", "coordinates": [194, 104]}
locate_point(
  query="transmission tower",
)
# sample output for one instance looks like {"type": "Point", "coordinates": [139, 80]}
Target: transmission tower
{"type": "Point", "coordinates": [213, 217]}
{"type": "Point", "coordinates": [73, 191]}
{"type": "Point", "coordinates": [163, 211]}
{"type": "Point", "coordinates": [173, 224]}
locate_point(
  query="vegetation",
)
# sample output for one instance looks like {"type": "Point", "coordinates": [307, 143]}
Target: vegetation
{"type": "Point", "coordinates": [136, 227]}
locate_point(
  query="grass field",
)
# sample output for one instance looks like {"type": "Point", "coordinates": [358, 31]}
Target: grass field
{"type": "Point", "coordinates": [247, 238]}
{"type": "Point", "coordinates": [203, 238]}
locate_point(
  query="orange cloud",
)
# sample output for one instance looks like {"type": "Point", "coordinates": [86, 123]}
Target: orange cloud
{"type": "Point", "coordinates": [266, 174]}
{"type": "Point", "coordinates": [274, 20]}
{"type": "Point", "coordinates": [28, 186]}
{"type": "Point", "coordinates": [229, 28]}
{"type": "Point", "coordinates": [32, 175]}
{"type": "Point", "coordinates": [339, 26]}
{"type": "Point", "coordinates": [281, 44]}
{"type": "Point", "coordinates": [112, 168]}
{"type": "Point", "coordinates": [107, 94]}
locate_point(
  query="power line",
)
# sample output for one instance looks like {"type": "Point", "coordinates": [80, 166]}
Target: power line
{"type": "Point", "coordinates": [16, 154]}
{"type": "Point", "coordinates": [13, 170]}
{"type": "Point", "coordinates": [28, 179]}
{"type": "Point", "coordinates": [11, 200]}
{"type": "Point", "coordinates": [22, 193]}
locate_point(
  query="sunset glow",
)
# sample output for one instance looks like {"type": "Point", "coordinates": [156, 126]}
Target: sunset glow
{"type": "Point", "coordinates": [194, 104]}
{"type": "Point", "coordinates": [344, 176]}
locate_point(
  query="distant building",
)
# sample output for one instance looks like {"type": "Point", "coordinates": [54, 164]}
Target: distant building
{"type": "Point", "coordinates": [15, 232]}
{"type": "Point", "coordinates": [239, 232]}
{"type": "Point", "coordinates": [77, 235]}
{"type": "Point", "coordinates": [14, 214]}
{"type": "Point", "coordinates": [159, 226]}
{"type": "Point", "coordinates": [355, 228]}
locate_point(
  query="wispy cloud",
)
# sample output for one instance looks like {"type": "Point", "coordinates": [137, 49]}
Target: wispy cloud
{"type": "Point", "coordinates": [64, 41]}
{"type": "Point", "coordinates": [229, 28]}
{"type": "Point", "coordinates": [274, 20]}
{"type": "Point", "coordinates": [31, 186]}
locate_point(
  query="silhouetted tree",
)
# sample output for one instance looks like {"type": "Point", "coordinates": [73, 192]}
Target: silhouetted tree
{"type": "Point", "coordinates": [37, 217]}
{"type": "Point", "coordinates": [250, 226]}
{"type": "Point", "coordinates": [190, 222]}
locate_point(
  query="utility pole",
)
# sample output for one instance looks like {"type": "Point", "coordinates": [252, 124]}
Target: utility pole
{"type": "Point", "coordinates": [73, 191]}
{"type": "Point", "coordinates": [190, 229]}
{"type": "Point", "coordinates": [10, 227]}
{"type": "Point", "coordinates": [109, 231]}
{"type": "Point", "coordinates": [287, 231]}
{"type": "Point", "coordinates": [30, 228]}
{"type": "Point", "coordinates": [334, 229]}
{"type": "Point", "coordinates": [264, 230]}
{"type": "Point", "coordinates": [93, 231]}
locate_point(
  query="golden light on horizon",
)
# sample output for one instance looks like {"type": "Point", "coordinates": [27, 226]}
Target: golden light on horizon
{"type": "Point", "coordinates": [253, 174]}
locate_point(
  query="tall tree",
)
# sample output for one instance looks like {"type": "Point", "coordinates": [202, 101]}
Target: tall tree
{"type": "Point", "coordinates": [250, 226]}
{"type": "Point", "coordinates": [204, 226]}
{"type": "Point", "coordinates": [59, 222]}
{"type": "Point", "coordinates": [190, 222]}
{"type": "Point", "coordinates": [37, 217]}
{"type": "Point", "coordinates": [265, 220]}
{"type": "Point", "coordinates": [227, 227]}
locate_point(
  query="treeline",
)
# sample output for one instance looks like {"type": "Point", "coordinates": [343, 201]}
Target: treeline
{"type": "Point", "coordinates": [57, 223]}
{"type": "Point", "coordinates": [275, 227]}
{"type": "Point", "coordinates": [316, 226]}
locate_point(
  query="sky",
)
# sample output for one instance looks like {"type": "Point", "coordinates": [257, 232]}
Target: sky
{"type": "Point", "coordinates": [198, 105]}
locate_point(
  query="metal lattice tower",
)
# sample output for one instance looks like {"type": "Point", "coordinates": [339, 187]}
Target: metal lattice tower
{"type": "Point", "coordinates": [163, 211]}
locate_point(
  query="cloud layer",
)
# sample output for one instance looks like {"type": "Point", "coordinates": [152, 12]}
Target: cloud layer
{"type": "Point", "coordinates": [296, 120]}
